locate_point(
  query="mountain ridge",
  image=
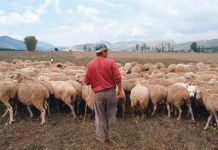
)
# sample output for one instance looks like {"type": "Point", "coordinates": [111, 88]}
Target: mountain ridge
{"type": "Point", "coordinates": [12, 43]}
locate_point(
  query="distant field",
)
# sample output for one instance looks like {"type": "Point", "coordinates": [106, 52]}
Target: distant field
{"type": "Point", "coordinates": [81, 58]}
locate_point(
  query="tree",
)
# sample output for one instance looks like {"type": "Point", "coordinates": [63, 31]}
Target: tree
{"type": "Point", "coordinates": [85, 47]}
{"type": "Point", "coordinates": [137, 47]}
{"type": "Point", "coordinates": [30, 42]}
{"type": "Point", "coordinates": [194, 47]}
{"type": "Point", "coordinates": [56, 49]}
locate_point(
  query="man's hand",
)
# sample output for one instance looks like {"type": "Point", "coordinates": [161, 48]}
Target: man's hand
{"type": "Point", "coordinates": [120, 96]}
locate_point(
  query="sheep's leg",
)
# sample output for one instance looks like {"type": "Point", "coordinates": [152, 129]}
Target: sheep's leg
{"type": "Point", "coordinates": [78, 105]}
{"type": "Point", "coordinates": [42, 110]}
{"type": "Point", "coordinates": [43, 116]}
{"type": "Point", "coordinates": [47, 107]}
{"type": "Point", "coordinates": [133, 111]}
{"type": "Point", "coordinates": [180, 111]}
{"type": "Point", "coordinates": [208, 121]}
{"type": "Point", "coordinates": [71, 108]}
{"type": "Point", "coordinates": [190, 110]}
{"type": "Point", "coordinates": [168, 109]}
{"type": "Point", "coordinates": [30, 111]}
{"type": "Point", "coordinates": [216, 117]}
{"type": "Point", "coordinates": [5, 113]}
{"type": "Point", "coordinates": [10, 109]}
{"type": "Point", "coordinates": [15, 111]}
{"type": "Point", "coordinates": [154, 110]}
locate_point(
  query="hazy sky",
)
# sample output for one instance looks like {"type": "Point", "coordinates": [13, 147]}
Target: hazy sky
{"type": "Point", "coordinates": [69, 22]}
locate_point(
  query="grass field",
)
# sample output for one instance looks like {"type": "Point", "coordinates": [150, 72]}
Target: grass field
{"type": "Point", "coordinates": [81, 58]}
{"type": "Point", "coordinates": [62, 132]}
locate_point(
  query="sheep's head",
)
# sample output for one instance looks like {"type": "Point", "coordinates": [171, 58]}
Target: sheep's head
{"type": "Point", "coordinates": [192, 91]}
{"type": "Point", "coordinates": [212, 81]}
{"type": "Point", "coordinates": [18, 76]}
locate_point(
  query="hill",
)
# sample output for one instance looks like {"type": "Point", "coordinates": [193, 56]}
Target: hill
{"type": "Point", "coordinates": [8, 42]}
{"type": "Point", "coordinates": [202, 43]}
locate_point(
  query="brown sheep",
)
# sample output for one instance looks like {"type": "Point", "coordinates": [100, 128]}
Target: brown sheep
{"type": "Point", "coordinates": [33, 94]}
{"type": "Point", "coordinates": [157, 94]}
{"type": "Point", "coordinates": [177, 95]}
{"type": "Point", "coordinates": [8, 90]}
{"type": "Point", "coordinates": [211, 103]}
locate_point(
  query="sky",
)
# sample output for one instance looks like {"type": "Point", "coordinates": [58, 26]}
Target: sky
{"type": "Point", "coordinates": [70, 22]}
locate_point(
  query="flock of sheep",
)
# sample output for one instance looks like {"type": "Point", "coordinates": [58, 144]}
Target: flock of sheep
{"type": "Point", "coordinates": [39, 82]}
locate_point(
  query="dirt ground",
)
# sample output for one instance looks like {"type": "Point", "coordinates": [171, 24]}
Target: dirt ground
{"type": "Point", "coordinates": [62, 132]}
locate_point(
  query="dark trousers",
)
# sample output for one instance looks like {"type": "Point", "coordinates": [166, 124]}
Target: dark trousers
{"type": "Point", "coordinates": [105, 113]}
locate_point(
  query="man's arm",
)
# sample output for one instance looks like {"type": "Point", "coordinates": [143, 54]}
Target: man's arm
{"type": "Point", "coordinates": [86, 77]}
{"type": "Point", "coordinates": [117, 78]}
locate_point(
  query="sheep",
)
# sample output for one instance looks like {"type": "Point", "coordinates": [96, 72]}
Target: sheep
{"type": "Point", "coordinates": [161, 81]}
{"type": "Point", "coordinates": [78, 87]}
{"type": "Point", "coordinates": [213, 82]}
{"type": "Point", "coordinates": [189, 75]}
{"type": "Point", "coordinates": [164, 70]}
{"type": "Point", "coordinates": [158, 75]}
{"type": "Point", "coordinates": [128, 84]}
{"type": "Point", "coordinates": [172, 68]}
{"type": "Point", "coordinates": [191, 89]}
{"type": "Point", "coordinates": [16, 61]}
{"type": "Point", "coordinates": [88, 96]}
{"type": "Point", "coordinates": [8, 90]}
{"type": "Point", "coordinates": [177, 95]}
{"type": "Point", "coordinates": [160, 65]}
{"type": "Point", "coordinates": [181, 68]}
{"type": "Point", "coordinates": [146, 67]}
{"type": "Point", "coordinates": [52, 61]}
{"type": "Point", "coordinates": [128, 67]}
{"type": "Point", "coordinates": [202, 67]}
{"type": "Point", "coordinates": [139, 98]}
{"type": "Point", "coordinates": [133, 75]}
{"type": "Point", "coordinates": [178, 79]}
{"type": "Point", "coordinates": [157, 94]}
{"type": "Point", "coordinates": [122, 101]}
{"type": "Point", "coordinates": [66, 92]}
{"type": "Point", "coordinates": [136, 69]}
{"type": "Point", "coordinates": [171, 74]}
{"type": "Point", "coordinates": [211, 103]}
{"type": "Point", "coordinates": [33, 94]}
{"type": "Point", "coordinates": [192, 67]}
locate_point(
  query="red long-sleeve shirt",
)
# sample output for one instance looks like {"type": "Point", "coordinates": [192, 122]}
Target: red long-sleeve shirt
{"type": "Point", "coordinates": [102, 73]}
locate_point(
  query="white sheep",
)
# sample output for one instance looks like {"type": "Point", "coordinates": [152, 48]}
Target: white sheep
{"type": "Point", "coordinates": [177, 95]}
{"type": "Point", "coordinates": [191, 88]}
{"type": "Point", "coordinates": [139, 98]}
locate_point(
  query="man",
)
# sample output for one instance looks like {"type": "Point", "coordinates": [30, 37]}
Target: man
{"type": "Point", "coordinates": [103, 75]}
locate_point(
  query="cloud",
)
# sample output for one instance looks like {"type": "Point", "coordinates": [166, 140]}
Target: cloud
{"type": "Point", "coordinates": [48, 3]}
{"type": "Point", "coordinates": [87, 10]}
{"type": "Point", "coordinates": [13, 18]}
